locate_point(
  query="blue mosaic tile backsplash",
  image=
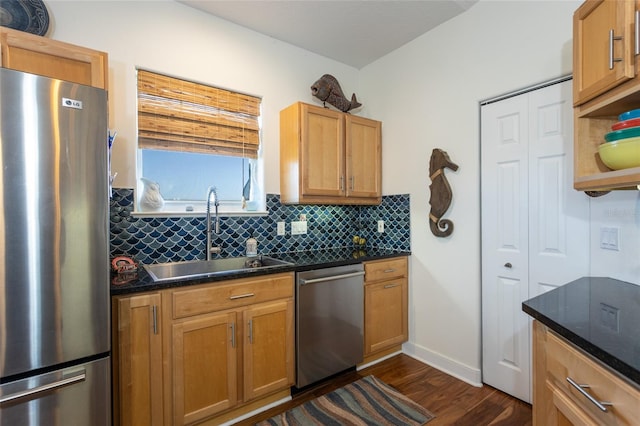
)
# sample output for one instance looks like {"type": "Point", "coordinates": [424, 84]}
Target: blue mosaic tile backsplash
{"type": "Point", "coordinates": [172, 239]}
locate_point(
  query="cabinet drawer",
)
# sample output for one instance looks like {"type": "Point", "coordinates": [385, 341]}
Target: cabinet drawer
{"type": "Point", "coordinates": [564, 361]}
{"type": "Point", "coordinates": [230, 294]}
{"type": "Point", "coordinates": [385, 269]}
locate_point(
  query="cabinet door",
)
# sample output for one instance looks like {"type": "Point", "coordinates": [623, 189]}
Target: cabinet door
{"type": "Point", "coordinates": [385, 313]}
{"type": "Point", "coordinates": [204, 366]}
{"type": "Point", "coordinates": [363, 157]}
{"type": "Point", "coordinates": [322, 158]}
{"type": "Point", "coordinates": [139, 361]}
{"type": "Point", "coordinates": [268, 348]}
{"type": "Point", "coordinates": [603, 47]}
{"type": "Point", "coordinates": [50, 58]}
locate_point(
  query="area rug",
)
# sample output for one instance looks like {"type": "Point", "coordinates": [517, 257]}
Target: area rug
{"type": "Point", "coordinates": [367, 401]}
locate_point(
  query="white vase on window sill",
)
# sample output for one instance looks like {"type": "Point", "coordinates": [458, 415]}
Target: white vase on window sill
{"type": "Point", "coordinates": [151, 198]}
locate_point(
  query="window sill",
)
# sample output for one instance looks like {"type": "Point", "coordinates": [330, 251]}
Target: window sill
{"type": "Point", "coordinates": [199, 209]}
{"type": "Point", "coordinates": [168, 213]}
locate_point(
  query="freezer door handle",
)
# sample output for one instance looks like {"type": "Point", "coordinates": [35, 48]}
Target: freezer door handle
{"type": "Point", "coordinates": [79, 376]}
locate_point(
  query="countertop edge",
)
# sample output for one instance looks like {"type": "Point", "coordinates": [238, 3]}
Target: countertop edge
{"type": "Point", "coordinates": [623, 369]}
{"type": "Point", "coordinates": [129, 289]}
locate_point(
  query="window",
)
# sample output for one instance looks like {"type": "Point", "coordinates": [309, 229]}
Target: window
{"type": "Point", "coordinates": [192, 136]}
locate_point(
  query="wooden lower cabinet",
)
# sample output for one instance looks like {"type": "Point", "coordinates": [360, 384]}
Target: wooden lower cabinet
{"type": "Point", "coordinates": [268, 348]}
{"type": "Point", "coordinates": [193, 354]}
{"type": "Point", "coordinates": [385, 305]}
{"type": "Point", "coordinates": [204, 364]}
{"type": "Point", "coordinates": [137, 360]}
{"type": "Point", "coordinates": [557, 402]}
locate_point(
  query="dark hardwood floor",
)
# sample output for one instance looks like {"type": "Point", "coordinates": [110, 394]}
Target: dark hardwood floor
{"type": "Point", "coordinates": [453, 401]}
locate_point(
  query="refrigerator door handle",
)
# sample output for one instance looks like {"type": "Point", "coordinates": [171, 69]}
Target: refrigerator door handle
{"type": "Point", "coordinates": [80, 376]}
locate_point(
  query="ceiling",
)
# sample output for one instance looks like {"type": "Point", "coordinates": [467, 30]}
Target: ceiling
{"type": "Point", "coordinates": [354, 32]}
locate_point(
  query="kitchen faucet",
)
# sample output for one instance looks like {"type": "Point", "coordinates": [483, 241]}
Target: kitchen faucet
{"type": "Point", "coordinates": [216, 227]}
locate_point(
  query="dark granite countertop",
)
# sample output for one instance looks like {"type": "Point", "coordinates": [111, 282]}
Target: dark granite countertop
{"type": "Point", "coordinates": [599, 315]}
{"type": "Point", "coordinates": [301, 261]}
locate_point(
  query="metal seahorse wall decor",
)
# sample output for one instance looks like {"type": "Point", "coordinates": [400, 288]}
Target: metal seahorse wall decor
{"type": "Point", "coordinates": [441, 194]}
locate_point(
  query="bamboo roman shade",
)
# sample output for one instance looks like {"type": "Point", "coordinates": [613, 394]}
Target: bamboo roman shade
{"type": "Point", "coordinates": [180, 115]}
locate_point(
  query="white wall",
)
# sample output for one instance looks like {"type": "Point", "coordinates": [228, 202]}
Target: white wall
{"type": "Point", "coordinates": [427, 96]}
{"type": "Point", "coordinates": [621, 210]}
{"type": "Point", "coordinates": [172, 38]}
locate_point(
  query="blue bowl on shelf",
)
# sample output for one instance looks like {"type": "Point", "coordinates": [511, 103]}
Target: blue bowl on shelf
{"type": "Point", "coordinates": [634, 113]}
{"type": "Point", "coordinates": [616, 135]}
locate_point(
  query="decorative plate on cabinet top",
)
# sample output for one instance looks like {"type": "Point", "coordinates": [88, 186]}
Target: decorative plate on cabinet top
{"type": "Point", "coordinates": [619, 125]}
{"type": "Point", "coordinates": [634, 113]}
{"type": "Point", "coordinates": [30, 16]}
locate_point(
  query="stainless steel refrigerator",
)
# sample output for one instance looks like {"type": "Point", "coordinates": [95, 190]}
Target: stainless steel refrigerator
{"type": "Point", "coordinates": [54, 273]}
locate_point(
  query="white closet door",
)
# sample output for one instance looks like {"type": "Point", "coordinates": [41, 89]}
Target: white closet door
{"type": "Point", "coordinates": [536, 243]}
{"type": "Point", "coordinates": [559, 215]}
{"type": "Point", "coordinates": [505, 245]}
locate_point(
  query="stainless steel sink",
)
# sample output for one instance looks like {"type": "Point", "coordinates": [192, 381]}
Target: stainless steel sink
{"type": "Point", "coordinates": [206, 268]}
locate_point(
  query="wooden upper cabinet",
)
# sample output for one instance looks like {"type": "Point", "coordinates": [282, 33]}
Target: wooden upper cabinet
{"type": "Point", "coordinates": [329, 157]}
{"type": "Point", "coordinates": [604, 47]}
{"type": "Point", "coordinates": [600, 94]}
{"type": "Point", "coordinates": [51, 58]}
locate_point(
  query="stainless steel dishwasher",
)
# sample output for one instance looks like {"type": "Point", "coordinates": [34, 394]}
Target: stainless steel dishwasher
{"type": "Point", "coordinates": [329, 322]}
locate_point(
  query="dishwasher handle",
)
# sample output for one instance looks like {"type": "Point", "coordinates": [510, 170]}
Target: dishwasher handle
{"type": "Point", "coordinates": [330, 278]}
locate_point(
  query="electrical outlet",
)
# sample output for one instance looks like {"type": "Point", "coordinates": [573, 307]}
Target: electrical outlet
{"type": "Point", "coordinates": [298, 228]}
{"type": "Point", "coordinates": [303, 217]}
{"type": "Point", "coordinates": [280, 228]}
{"type": "Point", "coordinates": [381, 226]}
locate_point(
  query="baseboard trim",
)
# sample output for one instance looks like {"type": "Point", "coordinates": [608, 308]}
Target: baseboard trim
{"type": "Point", "coordinates": [370, 362]}
{"type": "Point", "coordinates": [467, 374]}
{"type": "Point", "coordinates": [256, 411]}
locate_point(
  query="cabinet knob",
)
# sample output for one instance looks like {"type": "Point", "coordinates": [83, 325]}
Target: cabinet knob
{"type": "Point", "coordinates": [508, 265]}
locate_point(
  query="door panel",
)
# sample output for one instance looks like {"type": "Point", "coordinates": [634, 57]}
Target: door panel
{"type": "Point", "coordinates": [505, 245]}
{"type": "Point", "coordinates": [559, 218]}
{"type": "Point", "coordinates": [204, 366]}
{"type": "Point", "coordinates": [323, 152]}
{"type": "Point", "coordinates": [363, 160]}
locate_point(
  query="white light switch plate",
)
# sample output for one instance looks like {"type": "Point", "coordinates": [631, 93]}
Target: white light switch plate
{"type": "Point", "coordinates": [280, 228]}
{"type": "Point", "coordinates": [609, 238]}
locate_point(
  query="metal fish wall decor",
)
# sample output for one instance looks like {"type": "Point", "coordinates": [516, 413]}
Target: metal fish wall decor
{"type": "Point", "coordinates": [328, 90]}
{"type": "Point", "coordinates": [441, 194]}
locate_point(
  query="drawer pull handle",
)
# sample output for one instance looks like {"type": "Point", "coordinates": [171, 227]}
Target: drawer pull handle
{"type": "Point", "coordinates": [241, 296]}
{"type": "Point", "coordinates": [387, 271]}
{"type": "Point", "coordinates": [391, 285]}
{"type": "Point", "coordinates": [581, 388]}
